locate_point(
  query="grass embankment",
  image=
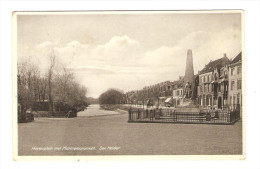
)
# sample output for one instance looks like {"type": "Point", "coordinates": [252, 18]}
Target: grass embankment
{"type": "Point", "coordinates": [118, 107]}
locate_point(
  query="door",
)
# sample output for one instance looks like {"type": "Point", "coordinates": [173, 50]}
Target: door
{"type": "Point", "coordinates": [219, 102]}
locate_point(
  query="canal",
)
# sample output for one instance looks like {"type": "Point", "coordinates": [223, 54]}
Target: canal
{"type": "Point", "coordinates": [94, 110]}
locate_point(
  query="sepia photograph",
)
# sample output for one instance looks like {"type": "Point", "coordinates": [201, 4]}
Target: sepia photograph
{"type": "Point", "coordinates": [139, 83]}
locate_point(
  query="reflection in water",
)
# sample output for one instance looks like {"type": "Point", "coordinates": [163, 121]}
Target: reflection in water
{"type": "Point", "coordinates": [94, 110]}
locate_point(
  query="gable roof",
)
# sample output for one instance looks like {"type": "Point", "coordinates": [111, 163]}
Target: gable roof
{"type": "Point", "coordinates": [213, 64]}
{"type": "Point", "coordinates": [237, 58]}
{"type": "Point", "coordinates": [178, 83]}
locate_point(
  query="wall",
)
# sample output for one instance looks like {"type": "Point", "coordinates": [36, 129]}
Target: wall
{"type": "Point", "coordinates": [235, 93]}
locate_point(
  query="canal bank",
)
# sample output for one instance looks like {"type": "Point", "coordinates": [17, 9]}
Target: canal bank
{"type": "Point", "coordinates": [99, 110]}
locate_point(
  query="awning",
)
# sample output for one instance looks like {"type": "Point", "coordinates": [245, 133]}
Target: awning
{"type": "Point", "coordinates": [168, 100]}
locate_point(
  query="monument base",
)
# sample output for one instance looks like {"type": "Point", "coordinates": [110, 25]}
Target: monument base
{"type": "Point", "coordinates": [188, 106]}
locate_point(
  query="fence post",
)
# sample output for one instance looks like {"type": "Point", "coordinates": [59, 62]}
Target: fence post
{"type": "Point", "coordinates": [129, 111]}
{"type": "Point", "coordinates": [157, 115]}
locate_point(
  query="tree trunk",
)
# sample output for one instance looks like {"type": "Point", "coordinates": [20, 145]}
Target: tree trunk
{"type": "Point", "coordinates": [50, 95]}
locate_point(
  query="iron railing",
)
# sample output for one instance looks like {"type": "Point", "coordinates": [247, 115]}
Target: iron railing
{"type": "Point", "coordinates": [206, 116]}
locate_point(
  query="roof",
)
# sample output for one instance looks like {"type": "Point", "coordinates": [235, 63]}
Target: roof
{"type": "Point", "coordinates": [179, 83]}
{"type": "Point", "coordinates": [237, 58]}
{"type": "Point", "coordinates": [213, 64]}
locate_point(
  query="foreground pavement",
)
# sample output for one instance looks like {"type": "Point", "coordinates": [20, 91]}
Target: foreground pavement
{"type": "Point", "coordinates": [112, 135]}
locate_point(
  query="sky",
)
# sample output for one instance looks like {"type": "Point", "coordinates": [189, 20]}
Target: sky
{"type": "Point", "coordinates": [127, 51]}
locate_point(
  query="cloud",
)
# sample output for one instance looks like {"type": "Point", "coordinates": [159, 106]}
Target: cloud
{"type": "Point", "coordinates": [118, 50]}
{"type": "Point", "coordinates": [45, 45]}
{"type": "Point", "coordinates": [124, 63]}
{"type": "Point", "coordinates": [93, 71]}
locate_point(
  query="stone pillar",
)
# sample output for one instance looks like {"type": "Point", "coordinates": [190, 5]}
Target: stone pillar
{"type": "Point", "coordinates": [189, 71]}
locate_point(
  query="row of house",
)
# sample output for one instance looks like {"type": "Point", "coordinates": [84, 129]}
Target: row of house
{"type": "Point", "coordinates": [220, 83]}
{"type": "Point", "coordinates": [217, 85]}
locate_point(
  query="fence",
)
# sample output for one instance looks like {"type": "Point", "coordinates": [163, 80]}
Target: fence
{"type": "Point", "coordinates": [226, 116]}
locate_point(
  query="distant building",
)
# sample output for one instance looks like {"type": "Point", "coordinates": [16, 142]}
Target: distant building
{"type": "Point", "coordinates": [177, 93]}
{"type": "Point", "coordinates": [131, 97]}
{"type": "Point", "coordinates": [235, 81]}
{"type": "Point", "coordinates": [168, 93]}
{"type": "Point", "coordinates": [212, 90]}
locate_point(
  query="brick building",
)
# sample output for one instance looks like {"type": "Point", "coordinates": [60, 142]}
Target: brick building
{"type": "Point", "coordinates": [212, 90]}
{"type": "Point", "coordinates": [155, 94]}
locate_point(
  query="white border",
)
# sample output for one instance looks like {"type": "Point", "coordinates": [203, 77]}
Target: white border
{"type": "Point", "coordinates": [117, 157]}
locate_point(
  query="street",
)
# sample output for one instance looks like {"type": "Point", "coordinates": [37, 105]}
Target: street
{"type": "Point", "coordinates": [112, 135]}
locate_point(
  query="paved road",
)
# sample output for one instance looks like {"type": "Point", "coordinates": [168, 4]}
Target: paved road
{"type": "Point", "coordinates": [111, 135]}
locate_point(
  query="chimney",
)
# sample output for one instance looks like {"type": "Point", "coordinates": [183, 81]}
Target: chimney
{"type": "Point", "coordinates": [225, 55]}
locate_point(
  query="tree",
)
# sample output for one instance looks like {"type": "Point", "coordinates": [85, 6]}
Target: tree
{"type": "Point", "coordinates": [112, 96]}
{"type": "Point", "coordinates": [52, 58]}
{"type": "Point", "coordinates": [57, 84]}
{"type": "Point", "coordinates": [27, 86]}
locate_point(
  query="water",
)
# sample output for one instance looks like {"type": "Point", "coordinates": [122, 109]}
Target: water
{"type": "Point", "coordinates": [94, 110]}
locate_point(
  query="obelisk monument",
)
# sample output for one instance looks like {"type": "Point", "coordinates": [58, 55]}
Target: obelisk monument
{"type": "Point", "coordinates": [189, 74]}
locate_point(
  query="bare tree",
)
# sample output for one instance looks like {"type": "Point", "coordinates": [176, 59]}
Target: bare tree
{"type": "Point", "coordinates": [27, 86]}
{"type": "Point", "coordinates": [52, 58]}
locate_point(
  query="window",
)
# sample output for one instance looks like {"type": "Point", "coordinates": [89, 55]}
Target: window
{"type": "Point", "coordinates": [177, 94]}
{"type": "Point", "coordinates": [232, 71]}
{"type": "Point", "coordinates": [238, 98]}
{"type": "Point", "coordinates": [238, 84]}
{"type": "Point", "coordinates": [239, 70]}
{"type": "Point", "coordinates": [225, 74]}
{"type": "Point", "coordinates": [210, 78]}
{"type": "Point", "coordinates": [232, 85]}
{"type": "Point", "coordinates": [169, 87]}
{"type": "Point", "coordinates": [234, 99]}
{"type": "Point", "coordinates": [203, 78]}
{"type": "Point", "coordinates": [221, 72]}
{"type": "Point", "coordinates": [230, 99]}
